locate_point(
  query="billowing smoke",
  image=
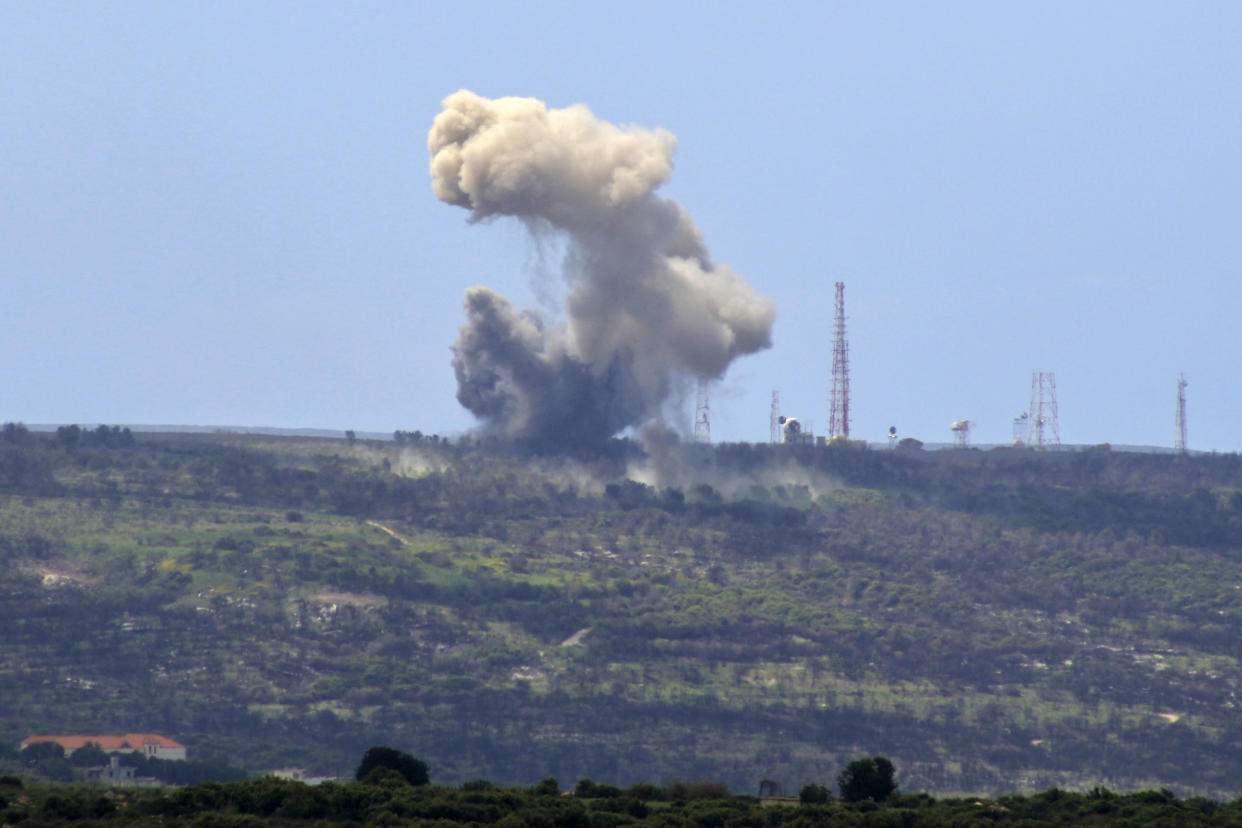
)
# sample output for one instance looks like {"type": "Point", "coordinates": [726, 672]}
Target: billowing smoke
{"type": "Point", "coordinates": [646, 306]}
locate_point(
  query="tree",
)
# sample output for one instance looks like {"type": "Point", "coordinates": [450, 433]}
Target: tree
{"type": "Point", "coordinates": [89, 755]}
{"type": "Point", "coordinates": [36, 752]}
{"type": "Point", "coordinates": [49, 759]}
{"type": "Point", "coordinates": [14, 434]}
{"type": "Point", "coordinates": [414, 770]}
{"type": "Point", "coordinates": [869, 778]}
{"type": "Point", "coordinates": [813, 794]}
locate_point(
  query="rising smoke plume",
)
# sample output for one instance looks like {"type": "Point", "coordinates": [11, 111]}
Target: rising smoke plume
{"type": "Point", "coordinates": [646, 305]}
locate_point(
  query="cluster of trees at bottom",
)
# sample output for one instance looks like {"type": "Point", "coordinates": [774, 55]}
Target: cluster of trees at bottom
{"type": "Point", "coordinates": [392, 788]}
{"type": "Point", "coordinates": [870, 778]}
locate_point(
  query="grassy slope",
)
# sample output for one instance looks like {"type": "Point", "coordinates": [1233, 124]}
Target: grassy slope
{"type": "Point", "coordinates": [992, 622]}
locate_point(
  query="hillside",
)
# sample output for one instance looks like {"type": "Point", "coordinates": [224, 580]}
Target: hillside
{"type": "Point", "coordinates": [993, 621]}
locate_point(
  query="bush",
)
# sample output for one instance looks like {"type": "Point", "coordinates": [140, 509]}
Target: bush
{"type": "Point", "coordinates": [645, 791]}
{"type": "Point", "coordinates": [621, 805]}
{"type": "Point", "coordinates": [587, 789]}
{"type": "Point", "coordinates": [384, 778]}
{"type": "Point", "coordinates": [680, 789]}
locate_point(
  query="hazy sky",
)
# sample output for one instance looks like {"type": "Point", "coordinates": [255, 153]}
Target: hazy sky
{"type": "Point", "coordinates": [220, 213]}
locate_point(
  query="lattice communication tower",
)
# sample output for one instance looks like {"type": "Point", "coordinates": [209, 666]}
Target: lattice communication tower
{"type": "Point", "coordinates": [774, 418]}
{"type": "Point", "coordinates": [702, 415]}
{"type": "Point", "coordinates": [1044, 429]}
{"type": "Point", "coordinates": [839, 404]}
{"type": "Point", "coordinates": [1179, 442]}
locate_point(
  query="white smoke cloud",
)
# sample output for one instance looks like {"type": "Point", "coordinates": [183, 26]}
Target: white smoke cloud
{"type": "Point", "coordinates": [646, 304]}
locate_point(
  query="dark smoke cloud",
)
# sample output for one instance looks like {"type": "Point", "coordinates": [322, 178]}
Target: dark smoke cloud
{"type": "Point", "coordinates": [511, 372]}
{"type": "Point", "coordinates": [646, 304]}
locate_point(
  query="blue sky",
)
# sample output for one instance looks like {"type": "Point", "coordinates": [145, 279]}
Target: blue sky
{"type": "Point", "coordinates": [220, 213]}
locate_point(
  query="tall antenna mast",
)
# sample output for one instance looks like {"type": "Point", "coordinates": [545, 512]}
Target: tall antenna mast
{"type": "Point", "coordinates": [1179, 443]}
{"type": "Point", "coordinates": [702, 415]}
{"type": "Point", "coordinates": [839, 405]}
{"type": "Point", "coordinates": [1042, 422]}
{"type": "Point", "coordinates": [774, 419]}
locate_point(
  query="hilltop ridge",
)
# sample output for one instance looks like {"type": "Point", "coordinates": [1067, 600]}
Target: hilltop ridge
{"type": "Point", "coordinates": [992, 620]}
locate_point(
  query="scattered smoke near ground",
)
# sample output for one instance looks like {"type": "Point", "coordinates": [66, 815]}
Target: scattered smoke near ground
{"type": "Point", "coordinates": [731, 475]}
{"type": "Point", "coordinates": [646, 309]}
{"type": "Point", "coordinates": [721, 474]}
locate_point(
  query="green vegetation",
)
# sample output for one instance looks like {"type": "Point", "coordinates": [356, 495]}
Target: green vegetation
{"type": "Point", "coordinates": [389, 800]}
{"type": "Point", "coordinates": [47, 760]}
{"type": "Point", "coordinates": [991, 620]}
{"type": "Point", "coordinates": [868, 778]}
{"type": "Point", "coordinates": [413, 771]}
{"type": "Point", "coordinates": [812, 794]}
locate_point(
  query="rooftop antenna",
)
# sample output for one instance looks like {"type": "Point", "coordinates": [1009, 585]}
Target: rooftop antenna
{"type": "Point", "coordinates": [1179, 443]}
{"type": "Point", "coordinates": [1044, 428]}
{"type": "Point", "coordinates": [839, 405]}
{"type": "Point", "coordinates": [702, 415]}
{"type": "Point", "coordinates": [961, 433]}
{"type": "Point", "coordinates": [774, 419]}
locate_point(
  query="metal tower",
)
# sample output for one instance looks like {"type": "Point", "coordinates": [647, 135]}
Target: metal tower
{"type": "Point", "coordinates": [961, 433]}
{"type": "Point", "coordinates": [1179, 443]}
{"type": "Point", "coordinates": [839, 405]}
{"type": "Point", "coordinates": [774, 419]}
{"type": "Point", "coordinates": [1043, 425]}
{"type": "Point", "coordinates": [702, 415]}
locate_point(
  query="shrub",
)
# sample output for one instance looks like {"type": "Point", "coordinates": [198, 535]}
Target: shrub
{"type": "Point", "coordinates": [644, 790]}
{"type": "Point", "coordinates": [588, 789]}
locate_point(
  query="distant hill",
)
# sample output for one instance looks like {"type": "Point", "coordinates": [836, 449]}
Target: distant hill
{"type": "Point", "coordinates": [336, 434]}
{"type": "Point", "coordinates": [991, 620]}
{"type": "Point", "coordinates": [273, 431]}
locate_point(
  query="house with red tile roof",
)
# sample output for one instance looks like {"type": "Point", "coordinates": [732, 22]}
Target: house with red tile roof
{"type": "Point", "coordinates": [152, 745]}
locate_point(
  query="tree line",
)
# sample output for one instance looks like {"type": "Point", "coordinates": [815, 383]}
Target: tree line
{"type": "Point", "coordinates": [392, 788]}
